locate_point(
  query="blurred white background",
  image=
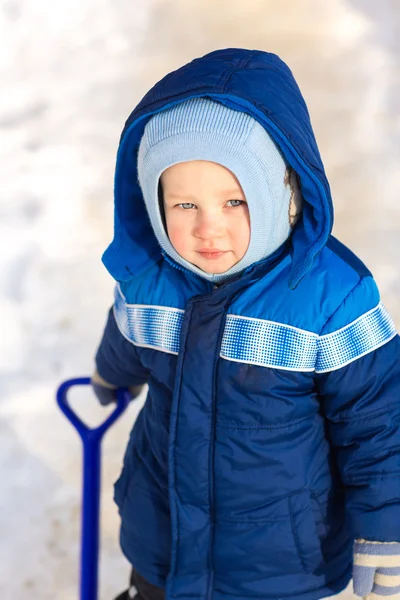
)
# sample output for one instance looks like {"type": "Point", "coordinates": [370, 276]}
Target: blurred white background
{"type": "Point", "coordinates": [71, 72]}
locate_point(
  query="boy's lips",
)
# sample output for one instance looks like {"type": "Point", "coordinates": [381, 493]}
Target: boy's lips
{"type": "Point", "coordinates": [211, 253]}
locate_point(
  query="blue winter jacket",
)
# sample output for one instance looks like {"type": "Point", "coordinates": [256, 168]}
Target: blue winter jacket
{"type": "Point", "coordinates": [269, 438]}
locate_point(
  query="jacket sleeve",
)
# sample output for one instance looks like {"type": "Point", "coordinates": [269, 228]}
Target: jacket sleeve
{"type": "Point", "coordinates": [117, 359]}
{"type": "Point", "coordinates": [358, 380]}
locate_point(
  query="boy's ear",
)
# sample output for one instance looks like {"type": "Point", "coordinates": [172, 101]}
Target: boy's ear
{"type": "Point", "coordinates": [296, 200]}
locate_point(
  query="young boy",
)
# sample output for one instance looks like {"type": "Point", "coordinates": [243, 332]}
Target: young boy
{"type": "Point", "coordinates": [266, 459]}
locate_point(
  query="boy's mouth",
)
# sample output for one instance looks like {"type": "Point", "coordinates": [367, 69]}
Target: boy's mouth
{"type": "Point", "coordinates": [211, 254]}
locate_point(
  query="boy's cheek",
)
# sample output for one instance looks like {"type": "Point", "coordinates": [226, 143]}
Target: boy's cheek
{"type": "Point", "coordinates": [242, 235]}
{"type": "Point", "coordinates": [177, 238]}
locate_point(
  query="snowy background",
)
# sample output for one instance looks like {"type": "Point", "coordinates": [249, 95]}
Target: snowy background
{"type": "Point", "coordinates": [70, 74]}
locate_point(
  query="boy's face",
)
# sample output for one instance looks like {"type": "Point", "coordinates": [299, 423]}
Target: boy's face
{"type": "Point", "coordinates": [206, 214]}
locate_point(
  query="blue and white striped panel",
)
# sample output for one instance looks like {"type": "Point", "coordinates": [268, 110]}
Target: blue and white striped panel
{"type": "Point", "coordinates": [365, 334]}
{"type": "Point", "coordinates": [149, 326]}
{"type": "Point", "coordinates": [268, 344]}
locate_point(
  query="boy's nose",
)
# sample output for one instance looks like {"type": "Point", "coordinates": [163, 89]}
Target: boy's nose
{"type": "Point", "coordinates": [208, 227]}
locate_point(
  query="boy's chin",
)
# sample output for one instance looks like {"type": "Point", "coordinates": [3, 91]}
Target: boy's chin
{"type": "Point", "coordinates": [214, 267]}
{"type": "Point", "coordinates": [217, 266]}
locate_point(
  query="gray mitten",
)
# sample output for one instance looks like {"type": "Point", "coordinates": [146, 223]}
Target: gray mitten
{"type": "Point", "coordinates": [106, 392]}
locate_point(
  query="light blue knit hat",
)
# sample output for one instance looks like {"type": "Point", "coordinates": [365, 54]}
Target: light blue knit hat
{"type": "Point", "coordinates": [201, 129]}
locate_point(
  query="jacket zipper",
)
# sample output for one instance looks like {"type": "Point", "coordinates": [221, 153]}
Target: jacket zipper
{"type": "Point", "coordinates": [211, 459]}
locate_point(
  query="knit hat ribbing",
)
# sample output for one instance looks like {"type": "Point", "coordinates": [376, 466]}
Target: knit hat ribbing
{"type": "Point", "coordinates": [201, 129]}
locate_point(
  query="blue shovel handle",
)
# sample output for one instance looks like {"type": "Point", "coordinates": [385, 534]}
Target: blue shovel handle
{"type": "Point", "coordinates": [91, 439]}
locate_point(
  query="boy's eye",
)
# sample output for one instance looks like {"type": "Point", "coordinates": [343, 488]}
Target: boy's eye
{"type": "Point", "coordinates": [236, 202]}
{"type": "Point", "coordinates": [189, 205]}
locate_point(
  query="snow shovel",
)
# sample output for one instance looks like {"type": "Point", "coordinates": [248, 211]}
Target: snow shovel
{"type": "Point", "coordinates": [90, 512]}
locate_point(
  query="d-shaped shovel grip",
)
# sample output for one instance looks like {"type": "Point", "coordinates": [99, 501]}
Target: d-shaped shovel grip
{"type": "Point", "coordinates": [91, 439]}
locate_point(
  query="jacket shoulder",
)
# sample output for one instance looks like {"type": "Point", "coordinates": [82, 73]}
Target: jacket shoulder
{"type": "Point", "coordinates": [346, 256]}
{"type": "Point", "coordinates": [162, 285]}
{"type": "Point", "coordinates": [335, 274]}
{"type": "Point", "coordinates": [349, 287]}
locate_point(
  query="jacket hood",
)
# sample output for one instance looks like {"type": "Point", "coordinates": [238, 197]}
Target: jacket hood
{"type": "Point", "coordinates": [252, 81]}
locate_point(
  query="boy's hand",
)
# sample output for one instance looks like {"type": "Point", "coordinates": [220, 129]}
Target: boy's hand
{"type": "Point", "coordinates": [106, 392]}
{"type": "Point", "coordinates": [376, 570]}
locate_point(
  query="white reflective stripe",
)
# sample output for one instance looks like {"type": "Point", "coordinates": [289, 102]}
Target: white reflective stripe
{"type": "Point", "coordinates": [259, 341]}
{"type": "Point", "coordinates": [148, 326]}
{"type": "Point", "coordinates": [268, 344]}
{"type": "Point", "coordinates": [367, 333]}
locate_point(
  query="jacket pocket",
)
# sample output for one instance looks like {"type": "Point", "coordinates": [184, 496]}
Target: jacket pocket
{"type": "Point", "coordinates": [305, 532]}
